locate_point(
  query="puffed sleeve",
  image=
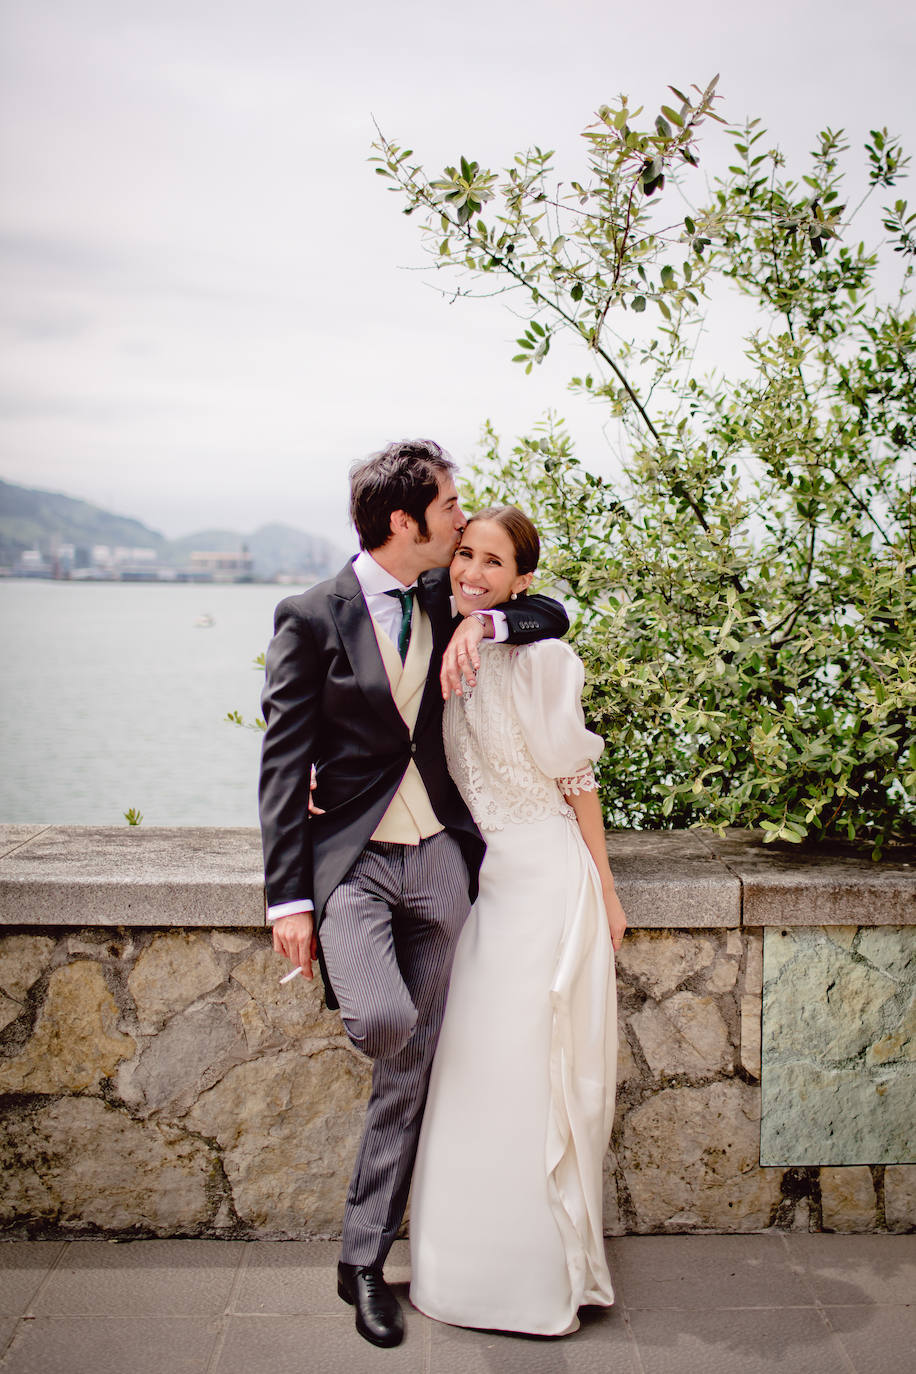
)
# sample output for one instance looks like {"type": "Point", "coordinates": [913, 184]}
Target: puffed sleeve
{"type": "Point", "coordinates": [547, 680]}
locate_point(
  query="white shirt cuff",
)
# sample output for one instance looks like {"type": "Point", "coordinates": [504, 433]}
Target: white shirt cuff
{"type": "Point", "coordinates": [274, 913]}
{"type": "Point", "coordinates": [500, 627]}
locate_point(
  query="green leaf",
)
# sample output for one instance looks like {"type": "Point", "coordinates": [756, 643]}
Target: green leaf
{"type": "Point", "coordinates": [638, 304]}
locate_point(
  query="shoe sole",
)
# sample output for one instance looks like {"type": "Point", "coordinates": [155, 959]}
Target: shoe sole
{"type": "Point", "coordinates": [366, 1334]}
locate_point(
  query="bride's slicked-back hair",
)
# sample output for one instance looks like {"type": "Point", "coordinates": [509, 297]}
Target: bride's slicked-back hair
{"type": "Point", "coordinates": [520, 530]}
{"type": "Point", "coordinates": [403, 476]}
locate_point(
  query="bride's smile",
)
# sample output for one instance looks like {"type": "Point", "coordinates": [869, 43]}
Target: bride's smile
{"type": "Point", "coordinates": [484, 571]}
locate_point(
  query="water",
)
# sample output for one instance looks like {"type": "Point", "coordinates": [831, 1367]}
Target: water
{"type": "Point", "coordinates": [111, 697]}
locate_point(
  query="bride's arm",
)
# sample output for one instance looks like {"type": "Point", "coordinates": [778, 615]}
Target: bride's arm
{"type": "Point", "coordinates": [591, 822]}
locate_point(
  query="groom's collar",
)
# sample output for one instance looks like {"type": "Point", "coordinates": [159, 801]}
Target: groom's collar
{"type": "Point", "coordinates": [373, 578]}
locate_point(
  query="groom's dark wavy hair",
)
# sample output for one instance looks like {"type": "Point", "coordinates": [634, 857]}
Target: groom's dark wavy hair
{"type": "Point", "coordinates": [403, 476]}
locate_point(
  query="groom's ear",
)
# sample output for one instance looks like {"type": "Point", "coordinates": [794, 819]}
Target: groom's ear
{"type": "Point", "coordinates": [399, 521]}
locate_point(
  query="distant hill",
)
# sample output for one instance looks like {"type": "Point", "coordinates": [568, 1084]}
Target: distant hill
{"type": "Point", "coordinates": [34, 519]}
{"type": "Point", "coordinates": [31, 519]}
{"type": "Point", "coordinates": [274, 549]}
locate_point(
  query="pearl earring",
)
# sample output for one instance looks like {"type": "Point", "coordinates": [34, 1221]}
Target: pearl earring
{"type": "Point", "coordinates": [514, 596]}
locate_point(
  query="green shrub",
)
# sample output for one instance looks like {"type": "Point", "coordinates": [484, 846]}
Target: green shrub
{"type": "Point", "coordinates": [743, 598]}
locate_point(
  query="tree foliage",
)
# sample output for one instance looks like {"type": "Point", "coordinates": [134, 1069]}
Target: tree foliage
{"type": "Point", "coordinates": [743, 597]}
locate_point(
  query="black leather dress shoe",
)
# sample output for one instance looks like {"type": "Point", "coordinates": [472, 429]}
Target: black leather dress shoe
{"type": "Point", "coordinates": [379, 1318]}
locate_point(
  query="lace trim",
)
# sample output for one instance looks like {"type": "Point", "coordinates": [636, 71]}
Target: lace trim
{"type": "Point", "coordinates": [583, 781]}
{"type": "Point", "coordinates": [487, 754]}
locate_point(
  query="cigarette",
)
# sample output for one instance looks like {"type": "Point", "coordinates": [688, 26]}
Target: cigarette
{"type": "Point", "coordinates": [288, 978]}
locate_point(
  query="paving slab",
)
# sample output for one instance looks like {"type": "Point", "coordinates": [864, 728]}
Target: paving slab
{"type": "Point", "coordinates": [87, 875]}
{"type": "Point", "coordinates": [143, 1278]}
{"type": "Point", "coordinates": [878, 1340]}
{"type": "Point", "coordinates": [7, 1328]}
{"type": "Point", "coordinates": [747, 1342]}
{"type": "Point", "coordinates": [297, 1278]}
{"type": "Point", "coordinates": [103, 1345]}
{"type": "Point", "coordinates": [707, 1272]}
{"type": "Point", "coordinates": [23, 1267]}
{"type": "Point", "coordinates": [670, 880]}
{"type": "Point", "coordinates": [314, 1345]}
{"type": "Point", "coordinates": [823, 885]}
{"type": "Point", "coordinates": [601, 1344]}
{"type": "Point", "coordinates": [851, 1271]}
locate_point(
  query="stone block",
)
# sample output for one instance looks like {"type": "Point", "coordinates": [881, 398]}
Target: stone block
{"type": "Point", "coordinates": [288, 1127]}
{"type": "Point", "coordinates": [685, 1034]}
{"type": "Point", "coordinates": [891, 950]}
{"type": "Point", "coordinates": [134, 876]}
{"type": "Point", "coordinates": [839, 1033]}
{"type": "Point", "coordinates": [613, 1221]}
{"type": "Point", "coordinates": [79, 1163]}
{"type": "Point", "coordinates": [76, 1043]}
{"type": "Point", "coordinates": [828, 1005]}
{"type": "Point", "coordinates": [750, 1035]}
{"type": "Point", "coordinates": [170, 974]}
{"type": "Point", "coordinates": [9, 1011]}
{"type": "Point", "coordinates": [899, 1045]}
{"type": "Point", "coordinates": [23, 959]}
{"type": "Point", "coordinates": [900, 1197]}
{"type": "Point", "coordinates": [689, 1156]}
{"type": "Point", "coordinates": [848, 1199]}
{"type": "Point", "coordinates": [670, 880]}
{"type": "Point", "coordinates": [276, 1013]}
{"type": "Point", "coordinates": [659, 961]}
{"type": "Point", "coordinates": [723, 975]}
{"type": "Point", "coordinates": [189, 1055]}
{"type": "Point", "coordinates": [826, 884]}
{"type": "Point", "coordinates": [752, 981]}
{"type": "Point", "coordinates": [627, 1067]}
{"type": "Point", "coordinates": [230, 941]}
{"type": "Point", "coordinates": [815, 1115]}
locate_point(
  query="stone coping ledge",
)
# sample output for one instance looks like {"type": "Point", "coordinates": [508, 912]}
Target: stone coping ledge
{"type": "Point", "coordinates": [207, 876]}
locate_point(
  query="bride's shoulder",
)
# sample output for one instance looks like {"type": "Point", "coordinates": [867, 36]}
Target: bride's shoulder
{"type": "Point", "coordinates": [547, 653]}
{"type": "Point", "coordinates": [552, 660]}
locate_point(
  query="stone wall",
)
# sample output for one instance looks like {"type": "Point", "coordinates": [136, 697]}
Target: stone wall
{"type": "Point", "coordinates": [157, 1079]}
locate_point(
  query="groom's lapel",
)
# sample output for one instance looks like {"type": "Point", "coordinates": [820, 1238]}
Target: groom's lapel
{"type": "Point", "coordinates": [432, 596]}
{"type": "Point", "coordinates": [354, 625]}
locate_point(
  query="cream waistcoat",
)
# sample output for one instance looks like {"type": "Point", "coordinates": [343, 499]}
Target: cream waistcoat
{"type": "Point", "coordinates": [410, 817]}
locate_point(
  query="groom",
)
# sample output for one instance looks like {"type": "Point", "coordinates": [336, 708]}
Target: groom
{"type": "Point", "coordinates": [377, 886]}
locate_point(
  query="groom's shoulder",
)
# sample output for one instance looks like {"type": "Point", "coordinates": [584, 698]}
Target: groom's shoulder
{"type": "Point", "coordinates": [314, 600]}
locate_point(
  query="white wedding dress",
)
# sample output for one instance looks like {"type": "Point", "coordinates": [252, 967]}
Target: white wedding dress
{"type": "Point", "coordinates": [506, 1208]}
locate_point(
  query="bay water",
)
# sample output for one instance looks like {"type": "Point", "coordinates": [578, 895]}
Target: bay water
{"type": "Point", "coordinates": [114, 695]}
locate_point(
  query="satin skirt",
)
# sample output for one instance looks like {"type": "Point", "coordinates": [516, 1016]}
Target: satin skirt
{"type": "Point", "coordinates": [506, 1207]}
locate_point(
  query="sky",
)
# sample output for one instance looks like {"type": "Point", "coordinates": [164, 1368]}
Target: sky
{"type": "Point", "coordinates": [210, 305]}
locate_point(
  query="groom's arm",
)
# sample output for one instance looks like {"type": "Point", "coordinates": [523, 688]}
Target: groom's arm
{"type": "Point", "coordinates": [290, 705]}
{"type": "Point", "coordinates": [525, 620]}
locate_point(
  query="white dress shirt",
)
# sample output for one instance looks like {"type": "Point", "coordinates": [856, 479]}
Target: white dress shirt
{"type": "Point", "coordinates": [385, 610]}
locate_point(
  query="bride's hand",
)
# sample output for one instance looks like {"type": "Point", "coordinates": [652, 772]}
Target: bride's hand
{"type": "Point", "coordinates": [461, 657]}
{"type": "Point", "coordinates": [617, 921]}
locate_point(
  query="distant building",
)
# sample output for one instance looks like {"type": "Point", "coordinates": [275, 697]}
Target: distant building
{"type": "Point", "coordinates": [221, 567]}
{"type": "Point", "coordinates": [32, 563]}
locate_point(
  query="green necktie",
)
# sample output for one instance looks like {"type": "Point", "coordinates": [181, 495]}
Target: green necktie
{"type": "Point", "coordinates": [406, 600]}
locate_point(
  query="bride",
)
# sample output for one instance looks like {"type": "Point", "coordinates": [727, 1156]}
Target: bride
{"type": "Point", "coordinates": [506, 1226]}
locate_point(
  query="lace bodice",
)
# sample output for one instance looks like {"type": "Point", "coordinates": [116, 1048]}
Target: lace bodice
{"type": "Point", "coordinates": [517, 741]}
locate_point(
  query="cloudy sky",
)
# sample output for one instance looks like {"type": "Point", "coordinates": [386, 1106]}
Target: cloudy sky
{"type": "Point", "coordinates": [210, 305]}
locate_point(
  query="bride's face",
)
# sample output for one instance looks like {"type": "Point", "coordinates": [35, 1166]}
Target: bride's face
{"type": "Point", "coordinates": [484, 572]}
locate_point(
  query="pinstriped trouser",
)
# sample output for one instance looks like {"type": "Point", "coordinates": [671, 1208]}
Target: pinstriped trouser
{"type": "Point", "coordinates": [388, 937]}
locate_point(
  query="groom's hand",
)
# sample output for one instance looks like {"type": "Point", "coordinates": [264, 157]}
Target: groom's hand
{"type": "Point", "coordinates": [461, 658]}
{"type": "Point", "coordinates": [295, 937]}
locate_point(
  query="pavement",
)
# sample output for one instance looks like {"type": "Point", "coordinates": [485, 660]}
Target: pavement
{"type": "Point", "coordinates": [789, 1302]}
